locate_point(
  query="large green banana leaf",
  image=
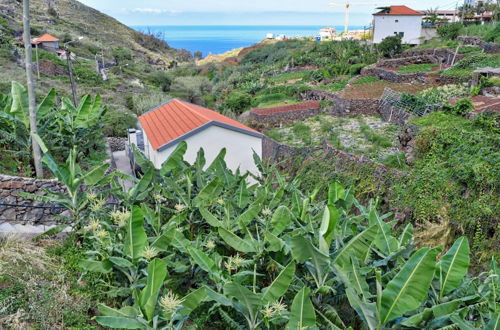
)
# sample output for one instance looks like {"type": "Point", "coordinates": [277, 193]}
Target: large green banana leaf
{"type": "Point", "coordinates": [236, 242]}
{"type": "Point", "coordinates": [136, 239]}
{"type": "Point", "coordinates": [358, 246]}
{"type": "Point", "coordinates": [157, 271]}
{"type": "Point", "coordinates": [453, 266]}
{"type": "Point", "coordinates": [302, 314]}
{"type": "Point", "coordinates": [409, 288]}
{"type": "Point", "coordinates": [280, 284]}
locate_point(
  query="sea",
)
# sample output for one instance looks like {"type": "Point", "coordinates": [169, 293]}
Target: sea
{"type": "Point", "coordinates": [218, 39]}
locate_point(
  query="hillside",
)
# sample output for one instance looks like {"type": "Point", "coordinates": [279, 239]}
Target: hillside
{"type": "Point", "coordinates": [135, 62]}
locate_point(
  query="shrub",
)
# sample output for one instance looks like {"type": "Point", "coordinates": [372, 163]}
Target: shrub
{"type": "Point", "coordinates": [356, 68]}
{"type": "Point", "coordinates": [118, 122]}
{"type": "Point", "coordinates": [391, 46]}
{"type": "Point", "coordinates": [238, 101]}
{"type": "Point", "coordinates": [121, 54]}
{"type": "Point", "coordinates": [450, 31]}
{"type": "Point", "coordinates": [162, 80]}
{"type": "Point", "coordinates": [462, 108]}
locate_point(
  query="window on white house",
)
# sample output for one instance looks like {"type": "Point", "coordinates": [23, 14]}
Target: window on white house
{"type": "Point", "coordinates": [401, 34]}
{"type": "Point", "coordinates": [396, 21]}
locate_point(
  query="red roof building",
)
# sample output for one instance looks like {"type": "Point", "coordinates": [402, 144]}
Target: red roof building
{"type": "Point", "coordinates": [178, 119]}
{"type": "Point", "coordinates": [399, 11]}
{"type": "Point", "coordinates": [45, 38]}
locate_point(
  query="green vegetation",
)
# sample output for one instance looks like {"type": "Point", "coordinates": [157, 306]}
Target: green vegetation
{"type": "Point", "coordinates": [455, 176]}
{"type": "Point", "coordinates": [365, 80]}
{"type": "Point", "coordinates": [251, 256]}
{"type": "Point", "coordinates": [368, 136]}
{"type": "Point", "coordinates": [413, 68]}
{"type": "Point", "coordinates": [391, 46]}
{"type": "Point", "coordinates": [63, 126]}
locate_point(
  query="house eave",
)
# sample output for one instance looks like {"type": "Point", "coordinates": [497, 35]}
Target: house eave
{"type": "Point", "coordinates": [204, 127]}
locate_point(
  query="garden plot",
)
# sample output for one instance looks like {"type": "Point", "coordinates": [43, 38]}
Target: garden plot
{"type": "Point", "coordinates": [365, 135]}
{"type": "Point", "coordinates": [369, 87]}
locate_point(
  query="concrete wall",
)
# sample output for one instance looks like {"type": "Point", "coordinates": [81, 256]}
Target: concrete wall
{"type": "Point", "coordinates": [387, 25]}
{"type": "Point", "coordinates": [239, 148]}
{"type": "Point", "coordinates": [11, 186]}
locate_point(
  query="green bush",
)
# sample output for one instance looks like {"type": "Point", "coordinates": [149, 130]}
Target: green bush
{"type": "Point", "coordinates": [356, 68]}
{"type": "Point", "coordinates": [162, 80]}
{"type": "Point", "coordinates": [450, 31]}
{"type": "Point", "coordinates": [391, 46]}
{"type": "Point", "coordinates": [238, 101]}
{"type": "Point", "coordinates": [118, 123]}
{"type": "Point", "coordinates": [461, 108]}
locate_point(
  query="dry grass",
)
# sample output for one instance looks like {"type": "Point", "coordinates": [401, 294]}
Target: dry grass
{"type": "Point", "coordinates": [35, 291]}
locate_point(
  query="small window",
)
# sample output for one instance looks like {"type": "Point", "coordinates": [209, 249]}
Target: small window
{"type": "Point", "coordinates": [401, 34]}
{"type": "Point", "coordinates": [395, 33]}
{"type": "Point", "coordinates": [396, 21]}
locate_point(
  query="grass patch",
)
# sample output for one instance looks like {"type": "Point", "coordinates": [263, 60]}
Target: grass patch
{"type": "Point", "coordinates": [369, 133]}
{"type": "Point", "coordinates": [282, 78]}
{"type": "Point", "coordinates": [365, 80]}
{"type": "Point", "coordinates": [277, 103]}
{"type": "Point", "coordinates": [414, 68]}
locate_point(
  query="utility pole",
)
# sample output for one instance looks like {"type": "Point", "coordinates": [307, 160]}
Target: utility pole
{"type": "Point", "coordinates": [37, 156]}
{"type": "Point", "coordinates": [71, 78]}
{"type": "Point", "coordinates": [463, 12]}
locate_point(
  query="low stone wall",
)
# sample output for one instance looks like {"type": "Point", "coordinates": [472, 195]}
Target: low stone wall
{"type": "Point", "coordinates": [117, 143]}
{"type": "Point", "coordinates": [443, 55]}
{"type": "Point", "coordinates": [342, 107]}
{"type": "Point", "coordinates": [264, 121]}
{"type": "Point", "coordinates": [491, 48]}
{"type": "Point", "coordinates": [471, 41]}
{"type": "Point", "coordinates": [393, 76]}
{"type": "Point", "coordinates": [11, 186]}
{"type": "Point", "coordinates": [407, 60]}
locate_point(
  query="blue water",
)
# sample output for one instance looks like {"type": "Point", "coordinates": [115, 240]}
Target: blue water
{"type": "Point", "coordinates": [219, 39]}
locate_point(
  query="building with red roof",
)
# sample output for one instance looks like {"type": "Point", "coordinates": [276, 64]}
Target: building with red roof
{"type": "Point", "coordinates": [175, 121]}
{"type": "Point", "coordinates": [47, 42]}
{"type": "Point", "coordinates": [400, 21]}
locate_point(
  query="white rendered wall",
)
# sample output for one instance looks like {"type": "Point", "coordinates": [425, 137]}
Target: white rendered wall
{"type": "Point", "coordinates": [386, 25]}
{"type": "Point", "coordinates": [238, 146]}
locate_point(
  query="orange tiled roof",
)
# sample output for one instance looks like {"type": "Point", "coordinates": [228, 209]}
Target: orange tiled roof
{"type": "Point", "coordinates": [46, 38]}
{"type": "Point", "coordinates": [175, 119]}
{"type": "Point", "coordinates": [309, 105]}
{"type": "Point", "coordinates": [399, 10]}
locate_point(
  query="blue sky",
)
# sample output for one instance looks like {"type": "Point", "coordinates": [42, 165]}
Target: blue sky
{"type": "Point", "coordinates": [248, 12]}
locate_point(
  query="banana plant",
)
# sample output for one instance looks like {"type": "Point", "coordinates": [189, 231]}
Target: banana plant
{"type": "Point", "coordinates": [74, 199]}
{"type": "Point", "coordinates": [148, 311]}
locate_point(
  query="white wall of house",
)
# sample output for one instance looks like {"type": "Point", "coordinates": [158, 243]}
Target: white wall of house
{"type": "Point", "coordinates": [390, 25]}
{"type": "Point", "coordinates": [239, 148]}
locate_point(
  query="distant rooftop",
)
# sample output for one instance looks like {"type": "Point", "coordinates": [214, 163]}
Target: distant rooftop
{"type": "Point", "coordinates": [45, 38]}
{"type": "Point", "coordinates": [399, 11]}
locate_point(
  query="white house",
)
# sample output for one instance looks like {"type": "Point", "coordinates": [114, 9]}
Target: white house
{"type": "Point", "coordinates": [175, 121]}
{"type": "Point", "coordinates": [327, 33]}
{"type": "Point", "coordinates": [398, 20]}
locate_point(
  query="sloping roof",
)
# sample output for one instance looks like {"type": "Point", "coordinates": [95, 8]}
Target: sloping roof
{"type": "Point", "coordinates": [399, 11]}
{"type": "Point", "coordinates": [46, 38]}
{"type": "Point", "coordinates": [178, 119]}
{"type": "Point", "coordinates": [309, 105]}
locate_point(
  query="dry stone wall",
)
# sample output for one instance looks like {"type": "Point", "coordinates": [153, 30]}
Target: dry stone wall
{"type": "Point", "coordinates": [340, 106]}
{"type": "Point", "coordinates": [11, 202]}
{"type": "Point", "coordinates": [393, 76]}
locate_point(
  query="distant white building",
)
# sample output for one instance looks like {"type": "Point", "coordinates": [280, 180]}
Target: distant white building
{"type": "Point", "coordinates": [327, 33]}
{"type": "Point", "coordinates": [270, 36]}
{"type": "Point", "coordinates": [398, 20]}
{"type": "Point", "coordinates": [450, 16]}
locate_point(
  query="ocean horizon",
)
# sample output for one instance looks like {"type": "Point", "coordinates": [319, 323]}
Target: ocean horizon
{"type": "Point", "coordinates": [218, 39]}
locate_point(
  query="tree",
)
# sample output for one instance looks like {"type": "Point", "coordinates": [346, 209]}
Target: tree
{"type": "Point", "coordinates": [198, 55]}
{"type": "Point", "coordinates": [391, 46]}
{"type": "Point", "coordinates": [31, 89]}
{"type": "Point", "coordinates": [450, 31]}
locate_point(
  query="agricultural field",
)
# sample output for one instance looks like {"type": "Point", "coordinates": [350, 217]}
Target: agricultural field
{"type": "Point", "coordinates": [364, 135]}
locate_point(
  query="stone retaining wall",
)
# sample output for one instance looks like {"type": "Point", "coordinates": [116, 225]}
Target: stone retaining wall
{"type": "Point", "coordinates": [11, 186]}
{"type": "Point", "coordinates": [407, 60]}
{"type": "Point", "coordinates": [393, 76]}
{"type": "Point", "coordinates": [443, 55]}
{"type": "Point", "coordinates": [265, 121]}
{"type": "Point", "coordinates": [342, 107]}
{"type": "Point", "coordinates": [117, 143]}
